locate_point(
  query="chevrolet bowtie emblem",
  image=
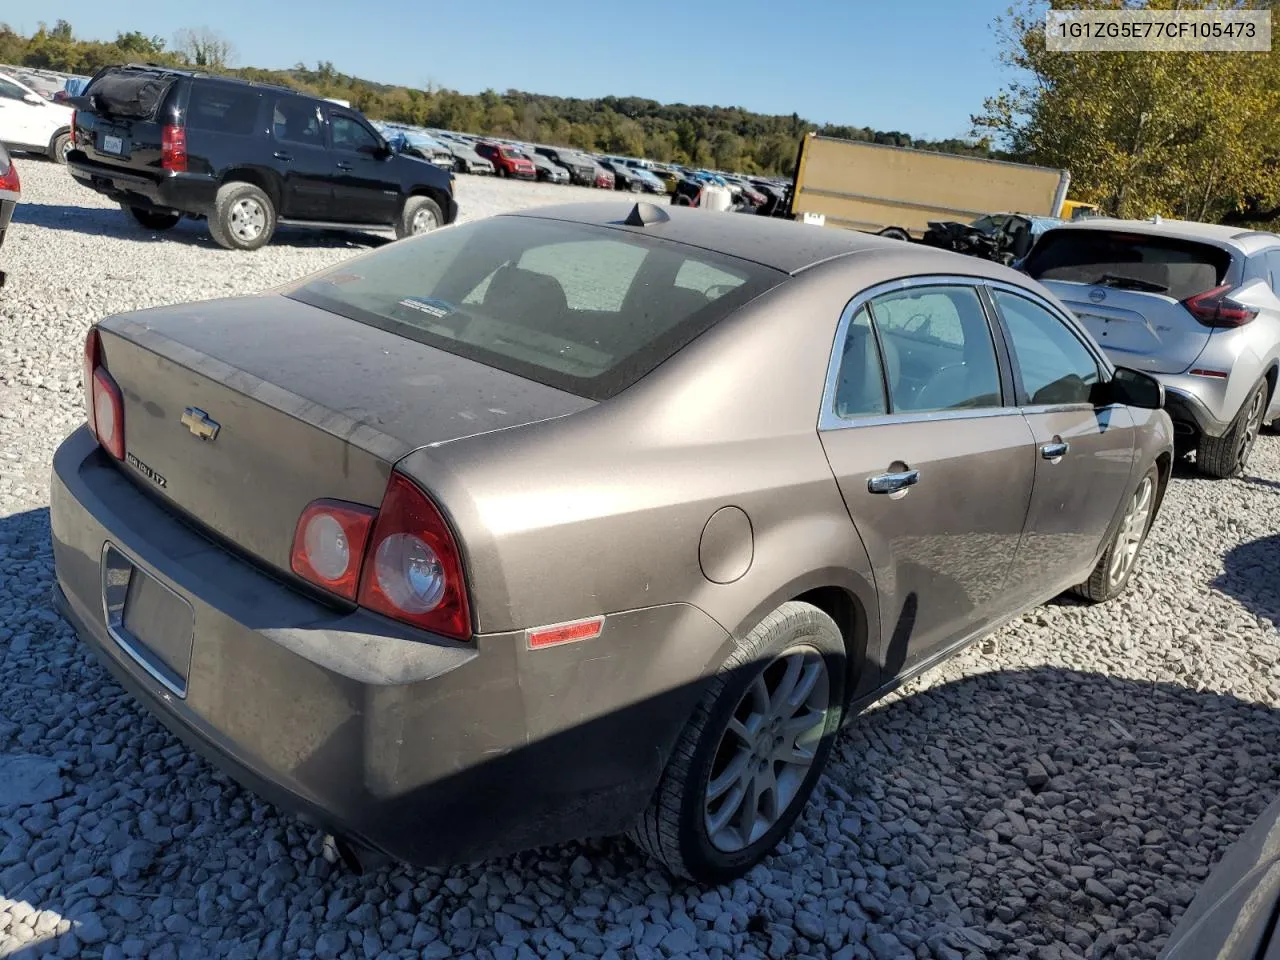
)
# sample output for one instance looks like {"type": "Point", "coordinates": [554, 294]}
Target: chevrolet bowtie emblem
{"type": "Point", "coordinates": [200, 423]}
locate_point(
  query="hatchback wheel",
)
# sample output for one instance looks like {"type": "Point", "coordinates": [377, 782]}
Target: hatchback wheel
{"type": "Point", "coordinates": [752, 751]}
{"type": "Point", "coordinates": [243, 217]}
{"type": "Point", "coordinates": [1228, 455]}
{"type": "Point", "coordinates": [1115, 567]}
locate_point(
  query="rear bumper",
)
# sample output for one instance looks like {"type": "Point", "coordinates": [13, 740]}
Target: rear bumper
{"type": "Point", "coordinates": [429, 750]}
{"type": "Point", "coordinates": [190, 193]}
{"type": "Point", "coordinates": [1197, 405]}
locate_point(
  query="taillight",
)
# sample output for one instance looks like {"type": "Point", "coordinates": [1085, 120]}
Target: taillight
{"type": "Point", "coordinates": [1214, 308]}
{"type": "Point", "coordinates": [9, 179]}
{"type": "Point", "coordinates": [173, 148]}
{"type": "Point", "coordinates": [412, 567]}
{"type": "Point", "coordinates": [328, 545]}
{"type": "Point", "coordinates": [103, 400]}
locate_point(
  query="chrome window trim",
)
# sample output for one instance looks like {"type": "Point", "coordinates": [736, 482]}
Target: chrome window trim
{"type": "Point", "coordinates": [829, 420]}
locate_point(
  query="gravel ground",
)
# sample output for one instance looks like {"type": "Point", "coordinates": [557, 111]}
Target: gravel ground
{"type": "Point", "coordinates": [1058, 790]}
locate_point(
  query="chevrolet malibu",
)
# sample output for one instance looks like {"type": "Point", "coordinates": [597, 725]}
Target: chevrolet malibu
{"type": "Point", "coordinates": [597, 519]}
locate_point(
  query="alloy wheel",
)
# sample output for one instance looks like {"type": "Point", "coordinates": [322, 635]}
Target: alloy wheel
{"type": "Point", "coordinates": [423, 220]}
{"type": "Point", "coordinates": [1132, 529]}
{"type": "Point", "coordinates": [248, 219]}
{"type": "Point", "coordinates": [767, 749]}
{"type": "Point", "coordinates": [1252, 426]}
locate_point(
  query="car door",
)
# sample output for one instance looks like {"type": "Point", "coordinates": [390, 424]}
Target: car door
{"type": "Point", "coordinates": [301, 155]}
{"type": "Point", "coordinates": [21, 123]}
{"type": "Point", "coordinates": [365, 188]}
{"type": "Point", "coordinates": [1083, 451]}
{"type": "Point", "coordinates": [934, 465]}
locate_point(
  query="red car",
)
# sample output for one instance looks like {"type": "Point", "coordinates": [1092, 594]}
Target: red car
{"type": "Point", "coordinates": [604, 178]}
{"type": "Point", "coordinates": [507, 161]}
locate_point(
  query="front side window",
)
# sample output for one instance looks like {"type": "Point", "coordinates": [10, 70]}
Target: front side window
{"type": "Point", "coordinates": [1055, 366]}
{"type": "Point", "coordinates": [938, 351]}
{"type": "Point", "coordinates": [584, 309]}
{"type": "Point", "coordinates": [11, 91]}
{"type": "Point", "coordinates": [352, 135]}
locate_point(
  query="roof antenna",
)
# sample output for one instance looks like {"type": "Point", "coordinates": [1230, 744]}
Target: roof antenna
{"type": "Point", "coordinates": [643, 214]}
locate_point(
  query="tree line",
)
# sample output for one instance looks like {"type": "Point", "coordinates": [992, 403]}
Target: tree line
{"type": "Point", "coordinates": [728, 138]}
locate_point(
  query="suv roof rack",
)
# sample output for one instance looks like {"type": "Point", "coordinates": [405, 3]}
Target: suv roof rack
{"type": "Point", "coordinates": [203, 75]}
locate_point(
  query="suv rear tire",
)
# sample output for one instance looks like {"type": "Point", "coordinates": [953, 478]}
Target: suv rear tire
{"type": "Point", "coordinates": [60, 147]}
{"type": "Point", "coordinates": [153, 220]}
{"type": "Point", "coordinates": [1227, 455]}
{"type": "Point", "coordinates": [747, 721]}
{"type": "Point", "coordinates": [418, 215]}
{"type": "Point", "coordinates": [243, 217]}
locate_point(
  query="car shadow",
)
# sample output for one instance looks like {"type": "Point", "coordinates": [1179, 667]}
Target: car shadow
{"type": "Point", "coordinates": [992, 815]}
{"type": "Point", "coordinates": [1251, 575]}
{"type": "Point", "coordinates": [113, 222]}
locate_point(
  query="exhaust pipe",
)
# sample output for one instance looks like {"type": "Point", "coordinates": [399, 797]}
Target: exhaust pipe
{"type": "Point", "coordinates": [355, 856]}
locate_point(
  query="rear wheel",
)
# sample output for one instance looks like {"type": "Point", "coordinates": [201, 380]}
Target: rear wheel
{"type": "Point", "coordinates": [151, 219]}
{"type": "Point", "coordinates": [1227, 455]}
{"type": "Point", "coordinates": [1115, 567]}
{"type": "Point", "coordinates": [419, 215]}
{"type": "Point", "coordinates": [751, 753]}
{"type": "Point", "coordinates": [243, 217]}
{"type": "Point", "coordinates": [60, 147]}
{"type": "Point", "coordinates": [894, 233]}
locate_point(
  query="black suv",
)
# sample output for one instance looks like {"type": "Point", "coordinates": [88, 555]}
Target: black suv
{"type": "Point", "coordinates": [248, 156]}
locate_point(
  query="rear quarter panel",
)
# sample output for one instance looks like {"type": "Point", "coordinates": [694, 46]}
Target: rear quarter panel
{"type": "Point", "coordinates": [604, 510]}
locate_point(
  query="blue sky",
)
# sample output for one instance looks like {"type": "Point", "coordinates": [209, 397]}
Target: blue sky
{"type": "Point", "coordinates": [921, 66]}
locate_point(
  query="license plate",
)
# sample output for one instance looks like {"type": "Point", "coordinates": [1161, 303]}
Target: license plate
{"type": "Point", "coordinates": [149, 621]}
{"type": "Point", "coordinates": [112, 145]}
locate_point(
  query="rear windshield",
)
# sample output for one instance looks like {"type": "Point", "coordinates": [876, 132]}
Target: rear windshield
{"type": "Point", "coordinates": [130, 94]}
{"type": "Point", "coordinates": [589, 310]}
{"type": "Point", "coordinates": [1174, 268]}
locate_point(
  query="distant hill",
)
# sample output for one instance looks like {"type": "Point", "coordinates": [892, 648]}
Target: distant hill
{"type": "Point", "coordinates": [728, 138]}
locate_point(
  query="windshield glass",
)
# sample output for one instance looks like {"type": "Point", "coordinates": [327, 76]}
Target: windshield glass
{"type": "Point", "coordinates": [585, 309]}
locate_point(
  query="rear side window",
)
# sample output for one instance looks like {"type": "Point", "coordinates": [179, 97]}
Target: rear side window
{"type": "Point", "coordinates": [1164, 265]}
{"type": "Point", "coordinates": [220, 109]}
{"type": "Point", "coordinates": [585, 309]}
{"type": "Point", "coordinates": [297, 120]}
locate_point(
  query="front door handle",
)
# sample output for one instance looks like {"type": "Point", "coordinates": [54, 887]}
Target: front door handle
{"type": "Point", "coordinates": [1055, 451]}
{"type": "Point", "coordinates": [282, 155]}
{"type": "Point", "coordinates": [343, 165]}
{"type": "Point", "coordinates": [893, 482]}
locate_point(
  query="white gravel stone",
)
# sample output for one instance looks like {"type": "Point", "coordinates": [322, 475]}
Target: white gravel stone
{"type": "Point", "coordinates": [1059, 790]}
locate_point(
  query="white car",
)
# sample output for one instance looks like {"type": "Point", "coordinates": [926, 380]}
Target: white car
{"type": "Point", "coordinates": [30, 123]}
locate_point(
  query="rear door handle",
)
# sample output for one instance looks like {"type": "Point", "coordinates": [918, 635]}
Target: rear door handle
{"type": "Point", "coordinates": [343, 165]}
{"type": "Point", "coordinates": [282, 155]}
{"type": "Point", "coordinates": [1055, 451]}
{"type": "Point", "coordinates": [893, 482]}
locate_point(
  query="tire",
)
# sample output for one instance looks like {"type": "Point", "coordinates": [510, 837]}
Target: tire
{"type": "Point", "coordinates": [676, 828]}
{"type": "Point", "coordinates": [894, 233]}
{"type": "Point", "coordinates": [502, 172]}
{"type": "Point", "coordinates": [1228, 455]}
{"type": "Point", "coordinates": [680, 200]}
{"type": "Point", "coordinates": [152, 220]}
{"type": "Point", "coordinates": [60, 147]}
{"type": "Point", "coordinates": [238, 207]}
{"type": "Point", "coordinates": [418, 215]}
{"type": "Point", "coordinates": [1116, 566]}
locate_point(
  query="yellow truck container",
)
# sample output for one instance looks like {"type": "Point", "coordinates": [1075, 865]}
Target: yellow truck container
{"type": "Point", "coordinates": [878, 188]}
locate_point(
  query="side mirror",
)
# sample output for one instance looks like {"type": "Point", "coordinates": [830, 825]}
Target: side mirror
{"type": "Point", "coordinates": [34, 98]}
{"type": "Point", "coordinates": [1135, 389]}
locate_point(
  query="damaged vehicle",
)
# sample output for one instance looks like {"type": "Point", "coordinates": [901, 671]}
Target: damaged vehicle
{"type": "Point", "coordinates": [557, 524]}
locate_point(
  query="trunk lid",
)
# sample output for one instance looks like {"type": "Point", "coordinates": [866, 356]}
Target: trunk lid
{"type": "Point", "coordinates": [1128, 289]}
{"type": "Point", "coordinates": [305, 403]}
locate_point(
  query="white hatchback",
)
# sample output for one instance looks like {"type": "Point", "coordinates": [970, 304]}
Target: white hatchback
{"type": "Point", "coordinates": [30, 123]}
